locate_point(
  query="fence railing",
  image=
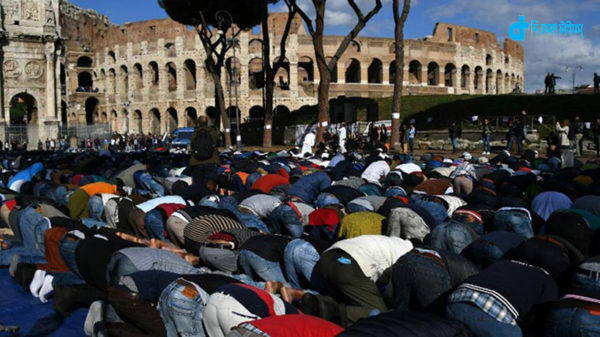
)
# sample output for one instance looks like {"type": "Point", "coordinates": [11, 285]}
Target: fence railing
{"type": "Point", "coordinates": [86, 131]}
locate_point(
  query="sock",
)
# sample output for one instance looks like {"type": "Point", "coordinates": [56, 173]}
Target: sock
{"type": "Point", "coordinates": [37, 282]}
{"type": "Point", "coordinates": [46, 288]}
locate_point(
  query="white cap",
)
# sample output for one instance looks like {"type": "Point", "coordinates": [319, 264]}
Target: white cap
{"type": "Point", "coordinates": [467, 156]}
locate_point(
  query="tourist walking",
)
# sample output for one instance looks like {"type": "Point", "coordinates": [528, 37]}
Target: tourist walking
{"type": "Point", "coordinates": [454, 132]}
{"type": "Point", "coordinates": [486, 135]}
{"type": "Point", "coordinates": [411, 137]}
{"type": "Point", "coordinates": [565, 145]}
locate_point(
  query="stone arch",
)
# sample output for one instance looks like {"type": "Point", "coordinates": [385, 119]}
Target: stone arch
{"type": "Point", "coordinates": [352, 74]}
{"type": "Point", "coordinates": [124, 77]}
{"type": "Point", "coordinates": [334, 73]}
{"type": "Point", "coordinates": [23, 109]}
{"type": "Point", "coordinates": [499, 82]}
{"type": "Point", "coordinates": [489, 76]}
{"type": "Point", "coordinates": [85, 81]}
{"type": "Point", "coordinates": [172, 76]}
{"type": "Point", "coordinates": [233, 66]}
{"type": "Point", "coordinates": [414, 72]}
{"type": "Point", "coordinates": [170, 49]}
{"type": "Point", "coordinates": [63, 79]}
{"type": "Point", "coordinates": [84, 62]}
{"type": "Point", "coordinates": [255, 73]}
{"type": "Point", "coordinates": [191, 115]}
{"type": "Point", "coordinates": [137, 121]}
{"type": "Point", "coordinates": [91, 108]}
{"type": "Point", "coordinates": [64, 114]}
{"type": "Point", "coordinates": [282, 77]}
{"type": "Point", "coordinates": [256, 113]}
{"type": "Point", "coordinates": [211, 112]}
{"type": "Point", "coordinates": [112, 87]}
{"type": "Point", "coordinates": [392, 72]}
{"type": "Point", "coordinates": [124, 121]}
{"type": "Point", "coordinates": [306, 69]}
{"type": "Point", "coordinates": [478, 78]}
{"type": "Point", "coordinates": [154, 121]}
{"type": "Point", "coordinates": [104, 117]}
{"type": "Point", "coordinates": [154, 73]}
{"type": "Point", "coordinates": [488, 60]}
{"type": "Point", "coordinates": [507, 87]}
{"type": "Point", "coordinates": [375, 71]}
{"type": "Point", "coordinates": [112, 57]}
{"type": "Point", "coordinates": [114, 116]}
{"type": "Point", "coordinates": [139, 76]}
{"type": "Point", "coordinates": [190, 74]}
{"type": "Point", "coordinates": [255, 46]}
{"type": "Point", "coordinates": [281, 109]}
{"type": "Point", "coordinates": [172, 120]}
{"type": "Point", "coordinates": [449, 75]}
{"type": "Point", "coordinates": [433, 73]}
{"type": "Point", "coordinates": [465, 73]}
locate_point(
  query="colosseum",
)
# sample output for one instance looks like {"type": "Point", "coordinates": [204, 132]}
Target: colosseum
{"type": "Point", "coordinates": [72, 67]}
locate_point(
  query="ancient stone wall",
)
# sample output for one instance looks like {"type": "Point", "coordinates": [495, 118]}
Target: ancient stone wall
{"type": "Point", "coordinates": [149, 76]}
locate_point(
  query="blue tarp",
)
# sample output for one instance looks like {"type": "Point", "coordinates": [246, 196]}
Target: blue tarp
{"type": "Point", "coordinates": [20, 308]}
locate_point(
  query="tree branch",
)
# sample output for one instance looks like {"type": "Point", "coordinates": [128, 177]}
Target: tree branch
{"type": "Point", "coordinates": [357, 11]}
{"type": "Point", "coordinates": [303, 15]}
{"type": "Point", "coordinates": [284, 37]}
{"type": "Point", "coordinates": [353, 33]}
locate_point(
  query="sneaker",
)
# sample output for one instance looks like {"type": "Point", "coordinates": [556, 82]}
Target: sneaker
{"type": "Point", "coordinates": [95, 315]}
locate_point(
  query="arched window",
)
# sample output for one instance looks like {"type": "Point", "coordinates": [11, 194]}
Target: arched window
{"type": "Point", "coordinates": [353, 71]}
{"type": "Point", "coordinates": [433, 74]}
{"type": "Point", "coordinates": [172, 73]}
{"type": "Point", "coordinates": [414, 72]}
{"type": "Point", "coordinates": [375, 71]}
{"type": "Point", "coordinates": [190, 74]}
{"type": "Point", "coordinates": [84, 62]}
{"type": "Point", "coordinates": [84, 82]}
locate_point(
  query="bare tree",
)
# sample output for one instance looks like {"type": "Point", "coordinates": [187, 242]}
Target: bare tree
{"type": "Point", "coordinates": [271, 69]}
{"type": "Point", "coordinates": [316, 30]}
{"type": "Point", "coordinates": [399, 20]}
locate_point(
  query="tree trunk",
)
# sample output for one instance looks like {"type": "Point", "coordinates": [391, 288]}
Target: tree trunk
{"type": "Point", "coordinates": [220, 105]}
{"type": "Point", "coordinates": [268, 130]}
{"type": "Point", "coordinates": [323, 103]}
{"type": "Point", "coordinates": [268, 76]}
{"type": "Point", "coordinates": [399, 75]}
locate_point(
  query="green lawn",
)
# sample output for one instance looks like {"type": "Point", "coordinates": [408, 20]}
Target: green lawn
{"type": "Point", "coordinates": [442, 109]}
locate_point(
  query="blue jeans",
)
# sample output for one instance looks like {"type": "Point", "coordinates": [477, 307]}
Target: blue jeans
{"type": "Point", "coordinates": [411, 144]}
{"type": "Point", "coordinates": [519, 143]}
{"type": "Point", "coordinates": [486, 143]}
{"type": "Point", "coordinates": [370, 189]}
{"type": "Point", "coordinates": [480, 323]}
{"type": "Point", "coordinates": [451, 236]}
{"type": "Point", "coordinates": [513, 221]}
{"type": "Point", "coordinates": [587, 281]}
{"type": "Point", "coordinates": [119, 265]}
{"type": "Point", "coordinates": [258, 267]}
{"type": "Point", "coordinates": [417, 281]}
{"type": "Point", "coordinates": [453, 140]}
{"type": "Point", "coordinates": [181, 314]}
{"type": "Point", "coordinates": [60, 193]}
{"type": "Point", "coordinates": [66, 249]}
{"type": "Point", "coordinates": [155, 224]}
{"type": "Point", "coordinates": [33, 226]}
{"type": "Point", "coordinates": [247, 219]}
{"type": "Point", "coordinates": [325, 199]}
{"type": "Point", "coordinates": [572, 322]}
{"type": "Point", "coordinates": [285, 220]}
{"type": "Point", "coordinates": [90, 223]}
{"type": "Point", "coordinates": [300, 259]}
{"type": "Point", "coordinates": [96, 207]}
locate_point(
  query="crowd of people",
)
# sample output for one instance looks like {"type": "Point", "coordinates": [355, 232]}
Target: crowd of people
{"type": "Point", "coordinates": [306, 243]}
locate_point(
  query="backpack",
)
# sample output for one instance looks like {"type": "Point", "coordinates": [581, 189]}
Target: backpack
{"type": "Point", "coordinates": [571, 134]}
{"type": "Point", "coordinates": [202, 146]}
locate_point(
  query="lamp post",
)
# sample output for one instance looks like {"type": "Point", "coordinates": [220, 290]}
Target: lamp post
{"type": "Point", "coordinates": [574, 71]}
{"type": "Point", "coordinates": [224, 21]}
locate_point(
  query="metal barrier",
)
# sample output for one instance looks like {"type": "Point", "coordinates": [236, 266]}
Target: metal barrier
{"type": "Point", "coordinates": [86, 131]}
{"type": "Point", "coordinates": [17, 133]}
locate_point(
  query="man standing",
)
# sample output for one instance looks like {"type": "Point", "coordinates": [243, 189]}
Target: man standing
{"type": "Point", "coordinates": [342, 133]}
{"type": "Point", "coordinates": [411, 137]}
{"type": "Point", "coordinates": [486, 135]}
{"type": "Point", "coordinates": [204, 156]}
{"type": "Point", "coordinates": [309, 142]}
{"type": "Point", "coordinates": [454, 132]}
{"type": "Point", "coordinates": [596, 129]}
{"type": "Point", "coordinates": [547, 81]}
{"type": "Point", "coordinates": [596, 84]}
{"type": "Point", "coordinates": [578, 130]}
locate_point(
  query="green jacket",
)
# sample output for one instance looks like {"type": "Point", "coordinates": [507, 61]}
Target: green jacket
{"type": "Point", "coordinates": [215, 157]}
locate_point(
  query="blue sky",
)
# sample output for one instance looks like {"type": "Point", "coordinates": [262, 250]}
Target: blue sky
{"type": "Point", "coordinates": [542, 53]}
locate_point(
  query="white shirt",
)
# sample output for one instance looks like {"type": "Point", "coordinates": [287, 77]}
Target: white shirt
{"type": "Point", "coordinates": [342, 133]}
{"type": "Point", "coordinates": [375, 171]}
{"type": "Point", "coordinates": [408, 168]}
{"type": "Point", "coordinates": [374, 253]}
{"type": "Point", "coordinates": [310, 139]}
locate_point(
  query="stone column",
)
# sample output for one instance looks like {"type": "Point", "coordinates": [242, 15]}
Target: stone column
{"type": "Point", "coordinates": [364, 73]}
{"type": "Point", "coordinates": [294, 78]}
{"type": "Point", "coordinates": [47, 123]}
{"type": "Point", "coordinates": [385, 76]}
